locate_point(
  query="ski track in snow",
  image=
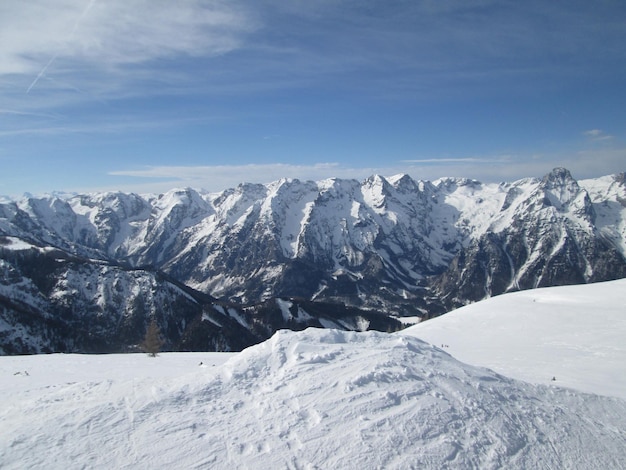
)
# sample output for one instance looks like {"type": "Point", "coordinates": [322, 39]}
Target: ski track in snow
{"type": "Point", "coordinates": [331, 399]}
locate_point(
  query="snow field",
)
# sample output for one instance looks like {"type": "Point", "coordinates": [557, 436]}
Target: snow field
{"type": "Point", "coordinates": [574, 334]}
{"type": "Point", "coordinates": [311, 399]}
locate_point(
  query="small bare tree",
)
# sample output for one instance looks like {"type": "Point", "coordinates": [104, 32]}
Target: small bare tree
{"type": "Point", "coordinates": [152, 342]}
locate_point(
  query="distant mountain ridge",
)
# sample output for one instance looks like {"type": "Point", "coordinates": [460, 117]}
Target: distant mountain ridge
{"type": "Point", "coordinates": [51, 301]}
{"type": "Point", "coordinates": [551, 232]}
{"type": "Point", "coordinates": [394, 245]}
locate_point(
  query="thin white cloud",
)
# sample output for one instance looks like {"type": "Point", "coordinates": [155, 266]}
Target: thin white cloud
{"type": "Point", "coordinates": [458, 160]}
{"type": "Point", "coordinates": [219, 177]}
{"type": "Point", "coordinates": [111, 45]}
{"type": "Point", "coordinates": [103, 127]}
{"type": "Point", "coordinates": [159, 179]}
{"type": "Point", "coordinates": [105, 35]}
{"type": "Point", "coordinates": [14, 112]}
{"type": "Point", "coordinates": [214, 178]}
{"type": "Point", "coordinates": [597, 135]}
{"type": "Point", "coordinates": [593, 133]}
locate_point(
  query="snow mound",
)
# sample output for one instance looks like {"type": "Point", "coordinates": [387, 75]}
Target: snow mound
{"type": "Point", "coordinates": [316, 399]}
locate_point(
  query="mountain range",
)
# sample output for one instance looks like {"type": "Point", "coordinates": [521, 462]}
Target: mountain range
{"type": "Point", "coordinates": [223, 271]}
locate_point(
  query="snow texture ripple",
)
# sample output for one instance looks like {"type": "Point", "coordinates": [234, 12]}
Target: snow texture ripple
{"type": "Point", "coordinates": [311, 399]}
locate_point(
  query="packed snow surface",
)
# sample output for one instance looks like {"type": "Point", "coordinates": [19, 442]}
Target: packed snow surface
{"type": "Point", "coordinates": [327, 399]}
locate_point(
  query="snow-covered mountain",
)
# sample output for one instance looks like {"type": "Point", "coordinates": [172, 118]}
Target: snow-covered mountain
{"type": "Point", "coordinates": [545, 233]}
{"type": "Point", "coordinates": [394, 245]}
{"type": "Point", "coordinates": [51, 301]}
{"type": "Point", "coordinates": [335, 399]}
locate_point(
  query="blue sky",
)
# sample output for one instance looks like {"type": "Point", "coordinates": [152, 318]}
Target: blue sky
{"type": "Point", "coordinates": [148, 95]}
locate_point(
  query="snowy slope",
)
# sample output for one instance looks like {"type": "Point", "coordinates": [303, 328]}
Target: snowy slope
{"type": "Point", "coordinates": [313, 399]}
{"type": "Point", "coordinates": [33, 375]}
{"type": "Point", "coordinates": [576, 334]}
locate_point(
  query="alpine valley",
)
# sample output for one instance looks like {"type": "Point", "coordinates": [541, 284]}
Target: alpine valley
{"type": "Point", "coordinates": [220, 272]}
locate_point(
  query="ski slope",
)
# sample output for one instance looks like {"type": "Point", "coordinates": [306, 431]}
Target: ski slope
{"type": "Point", "coordinates": [574, 334]}
{"type": "Point", "coordinates": [334, 399]}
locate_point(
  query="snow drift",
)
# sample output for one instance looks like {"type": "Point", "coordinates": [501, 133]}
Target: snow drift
{"type": "Point", "coordinates": [311, 399]}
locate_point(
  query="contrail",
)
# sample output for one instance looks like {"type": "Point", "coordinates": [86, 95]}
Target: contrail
{"type": "Point", "coordinates": [40, 74]}
{"type": "Point", "coordinates": [78, 20]}
{"type": "Point", "coordinates": [82, 15]}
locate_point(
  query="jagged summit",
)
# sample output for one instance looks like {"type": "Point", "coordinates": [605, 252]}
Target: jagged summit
{"type": "Point", "coordinates": [559, 176]}
{"type": "Point", "coordinates": [561, 189]}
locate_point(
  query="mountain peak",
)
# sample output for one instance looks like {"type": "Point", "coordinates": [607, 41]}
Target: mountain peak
{"type": "Point", "coordinates": [403, 182]}
{"type": "Point", "coordinates": [558, 176]}
{"type": "Point", "coordinates": [376, 179]}
{"type": "Point", "coordinates": [561, 190]}
{"type": "Point", "coordinates": [450, 183]}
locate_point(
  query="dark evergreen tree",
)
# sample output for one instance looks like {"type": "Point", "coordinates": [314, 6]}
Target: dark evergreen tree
{"type": "Point", "coordinates": [152, 342]}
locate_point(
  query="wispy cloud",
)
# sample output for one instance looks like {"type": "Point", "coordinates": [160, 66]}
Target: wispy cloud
{"type": "Point", "coordinates": [582, 164]}
{"type": "Point", "coordinates": [214, 178]}
{"type": "Point", "coordinates": [218, 177]}
{"type": "Point", "coordinates": [104, 126]}
{"type": "Point", "coordinates": [120, 47]}
{"type": "Point", "coordinates": [76, 38]}
{"type": "Point", "coordinates": [14, 112]}
{"type": "Point", "coordinates": [444, 160]}
{"type": "Point", "coordinates": [597, 135]}
{"type": "Point", "coordinates": [157, 179]}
